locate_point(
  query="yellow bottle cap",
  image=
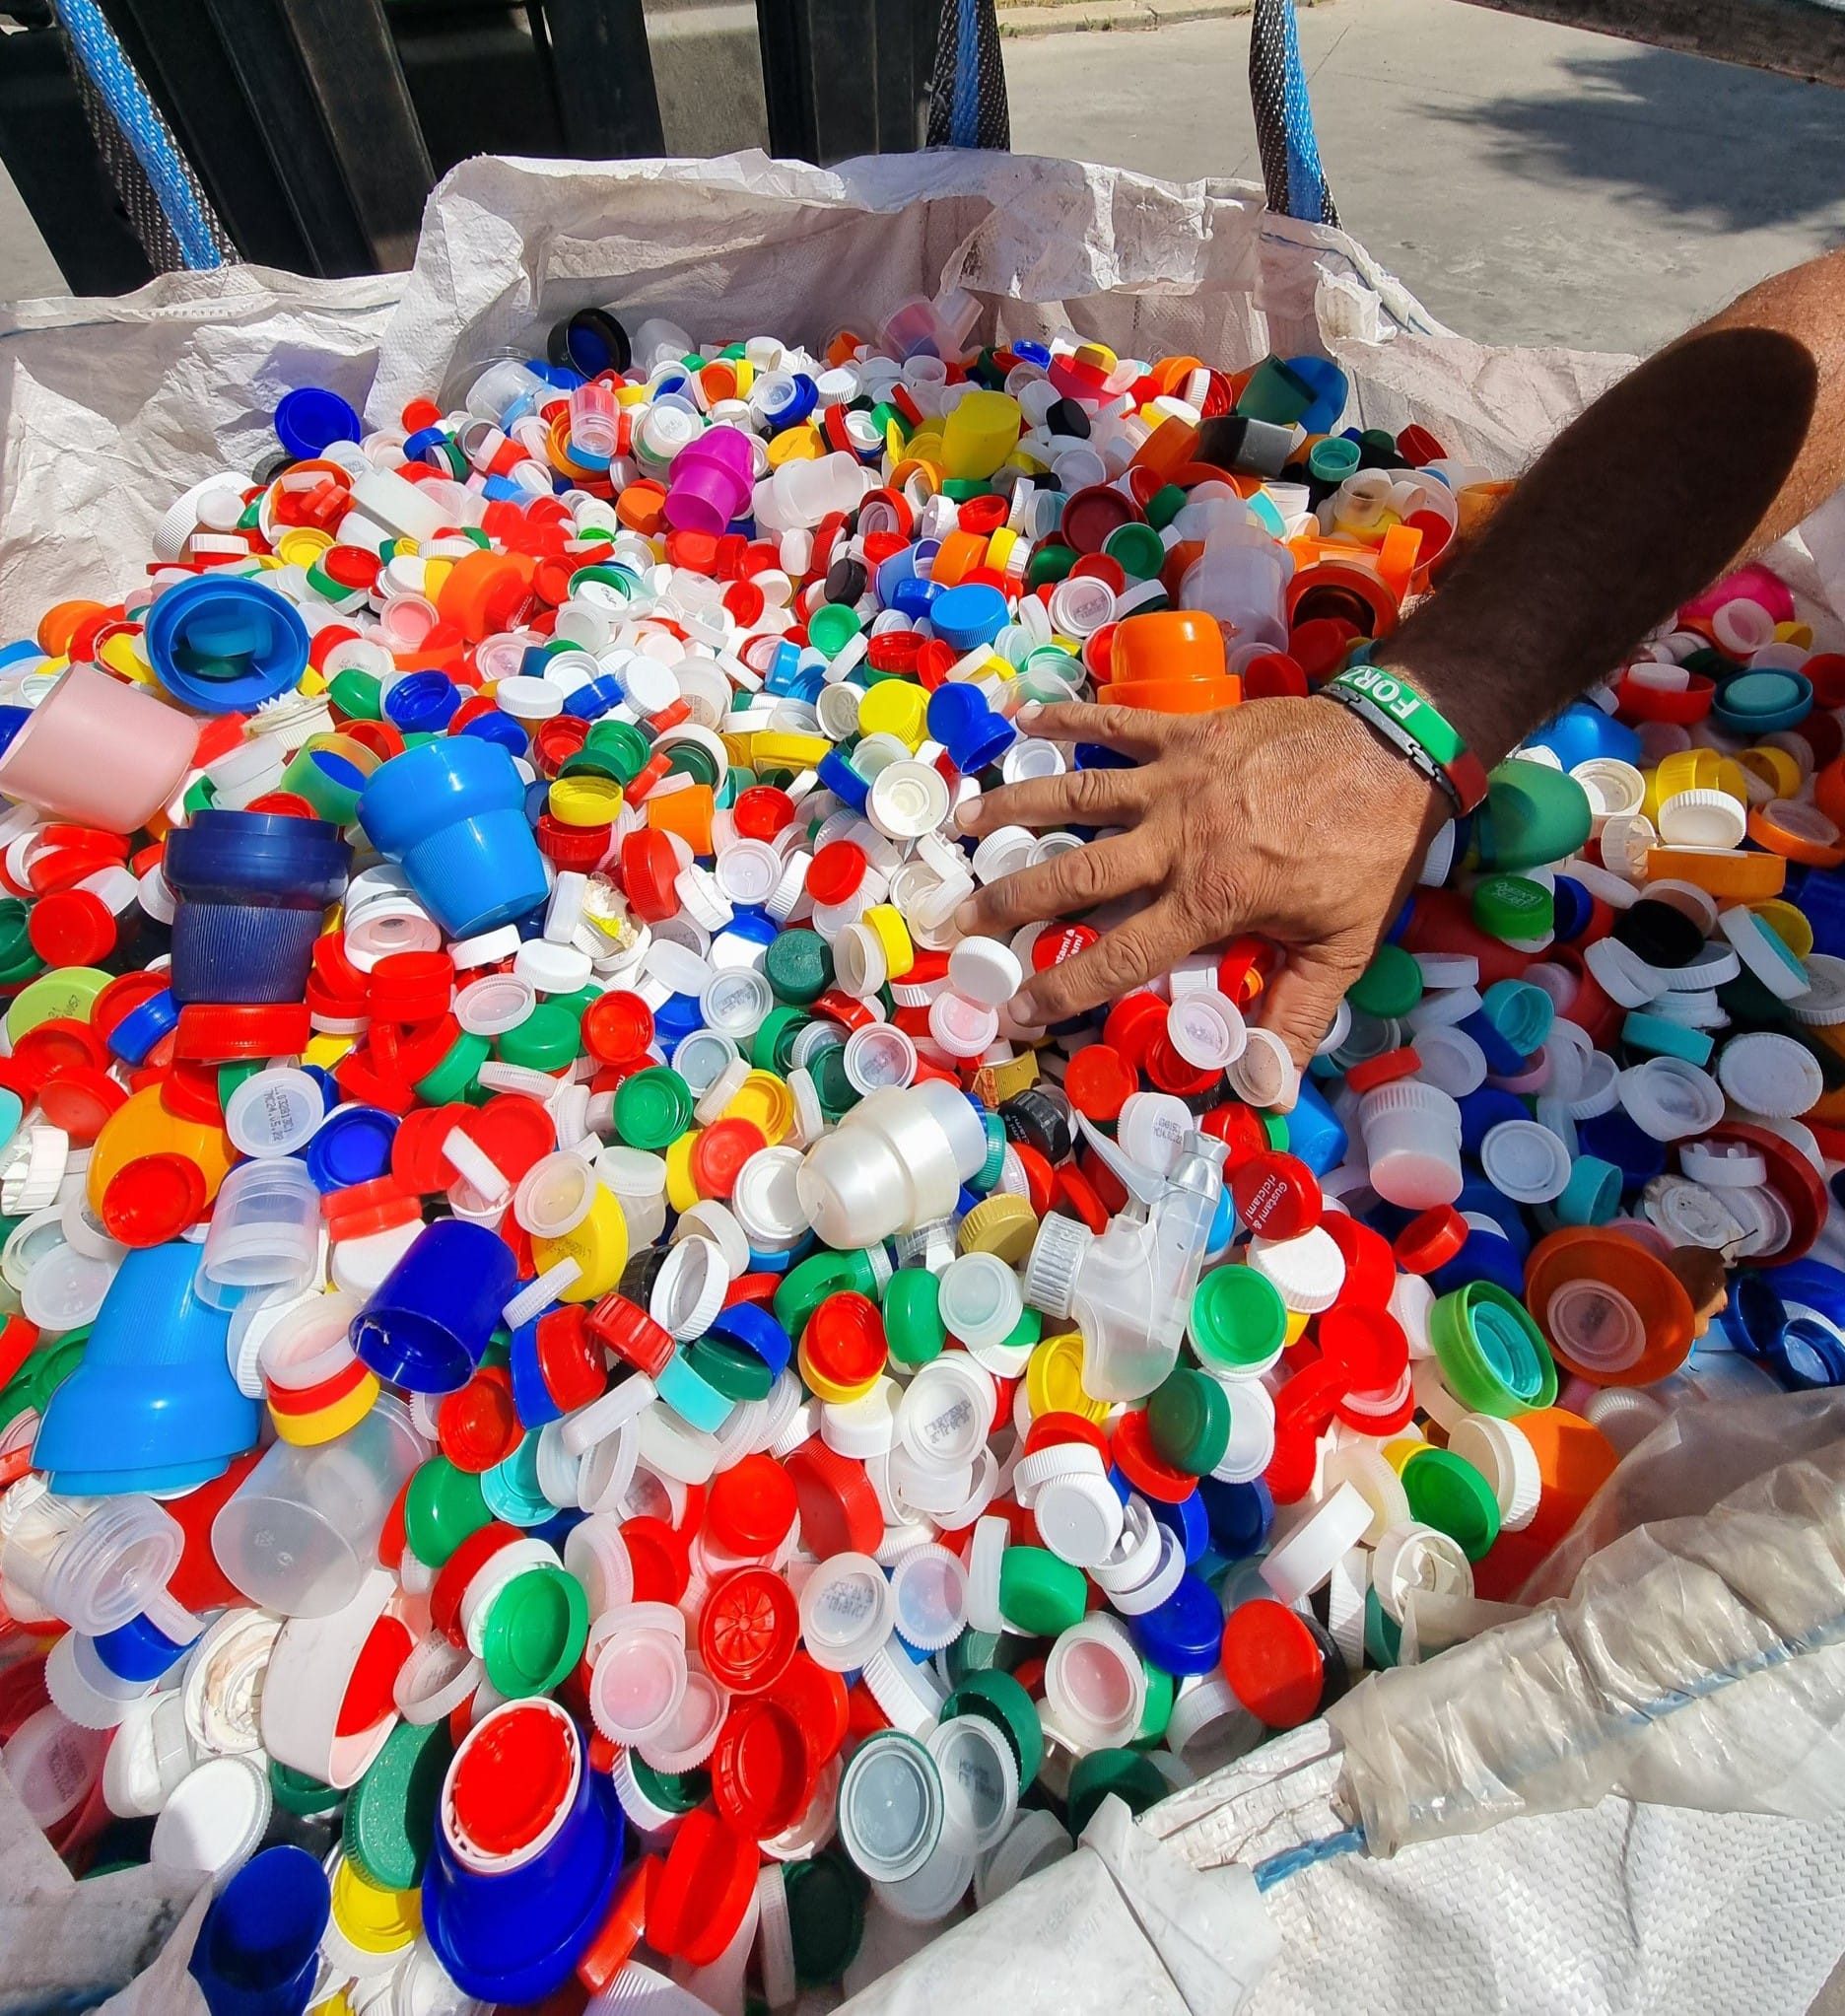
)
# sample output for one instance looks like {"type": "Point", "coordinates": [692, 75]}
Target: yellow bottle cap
{"type": "Point", "coordinates": [585, 800]}
{"type": "Point", "coordinates": [818, 1383]}
{"type": "Point", "coordinates": [302, 545]}
{"type": "Point", "coordinates": [1397, 1452]}
{"type": "Point", "coordinates": [1053, 1381]}
{"type": "Point", "coordinates": [1297, 1322]}
{"type": "Point", "coordinates": [1789, 925]}
{"type": "Point", "coordinates": [599, 1247]}
{"type": "Point", "coordinates": [765, 1100]}
{"type": "Point", "coordinates": [1774, 767]}
{"type": "Point", "coordinates": [325, 1049]}
{"type": "Point", "coordinates": [373, 1919]}
{"type": "Point", "coordinates": [682, 1192]}
{"type": "Point", "coordinates": [979, 434]}
{"type": "Point", "coordinates": [886, 920]}
{"type": "Point", "coordinates": [802, 443]}
{"type": "Point", "coordinates": [307, 1430]}
{"type": "Point", "coordinates": [894, 707]}
{"type": "Point", "coordinates": [1004, 1225]}
{"type": "Point", "coordinates": [784, 749]}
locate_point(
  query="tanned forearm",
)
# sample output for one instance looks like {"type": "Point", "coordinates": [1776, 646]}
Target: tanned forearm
{"type": "Point", "coordinates": [1699, 458]}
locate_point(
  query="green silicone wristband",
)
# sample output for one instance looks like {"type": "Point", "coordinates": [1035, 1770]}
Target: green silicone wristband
{"type": "Point", "coordinates": [1392, 696]}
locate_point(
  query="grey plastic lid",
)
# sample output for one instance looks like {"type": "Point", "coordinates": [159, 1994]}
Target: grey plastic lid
{"type": "Point", "coordinates": [890, 1807]}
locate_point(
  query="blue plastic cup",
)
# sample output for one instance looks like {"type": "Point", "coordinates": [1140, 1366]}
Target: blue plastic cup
{"type": "Point", "coordinates": [514, 1938]}
{"type": "Point", "coordinates": [428, 1324]}
{"type": "Point", "coordinates": [252, 890]}
{"type": "Point", "coordinates": [257, 1952]}
{"type": "Point", "coordinates": [153, 1406]}
{"type": "Point", "coordinates": [453, 812]}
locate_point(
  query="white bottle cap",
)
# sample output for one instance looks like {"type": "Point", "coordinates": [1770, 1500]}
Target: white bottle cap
{"type": "Point", "coordinates": [1298, 1566]}
{"type": "Point", "coordinates": [844, 1611]}
{"type": "Point", "coordinates": [214, 1820]}
{"type": "Point", "coordinates": [1770, 1074]}
{"type": "Point", "coordinates": [1525, 1161]}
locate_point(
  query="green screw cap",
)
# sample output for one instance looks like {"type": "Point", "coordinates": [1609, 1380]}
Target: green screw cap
{"type": "Point", "coordinates": [1189, 1420]}
{"type": "Point", "coordinates": [1125, 1772]}
{"type": "Point", "coordinates": [1039, 1594]}
{"type": "Point", "coordinates": [1238, 1321]}
{"type": "Point", "coordinates": [1514, 907]}
{"type": "Point", "coordinates": [912, 1324]}
{"type": "Point", "coordinates": [652, 1108]}
{"type": "Point", "coordinates": [1390, 985]}
{"type": "Point", "coordinates": [799, 966]}
{"type": "Point", "coordinates": [546, 1040]}
{"type": "Point", "coordinates": [442, 1508]}
{"type": "Point", "coordinates": [389, 1826]}
{"type": "Point", "coordinates": [826, 1901]}
{"type": "Point", "coordinates": [1447, 1493]}
{"type": "Point", "coordinates": [1001, 1699]}
{"type": "Point", "coordinates": [536, 1627]}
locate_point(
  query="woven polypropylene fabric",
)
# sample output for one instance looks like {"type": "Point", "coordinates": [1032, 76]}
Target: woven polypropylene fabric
{"type": "Point", "coordinates": [1623, 1910]}
{"type": "Point", "coordinates": [1284, 128]}
{"type": "Point", "coordinates": [968, 104]}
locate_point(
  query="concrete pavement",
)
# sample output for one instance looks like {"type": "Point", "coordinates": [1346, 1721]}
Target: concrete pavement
{"type": "Point", "coordinates": [1530, 184]}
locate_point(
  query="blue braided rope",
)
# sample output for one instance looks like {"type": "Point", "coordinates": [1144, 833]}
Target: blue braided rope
{"type": "Point", "coordinates": [1307, 182]}
{"type": "Point", "coordinates": [964, 129]}
{"type": "Point", "coordinates": [129, 105]}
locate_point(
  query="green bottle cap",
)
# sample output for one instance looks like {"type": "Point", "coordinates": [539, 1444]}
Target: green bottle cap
{"type": "Point", "coordinates": [329, 781]}
{"type": "Point", "coordinates": [1238, 1321]}
{"type": "Point", "coordinates": [66, 994]}
{"type": "Point", "coordinates": [1390, 985]}
{"type": "Point", "coordinates": [442, 1508]}
{"type": "Point", "coordinates": [652, 1108]}
{"type": "Point", "coordinates": [1160, 1689]}
{"type": "Point", "coordinates": [1049, 563]}
{"type": "Point", "coordinates": [201, 794]}
{"type": "Point", "coordinates": [973, 1651]}
{"type": "Point", "coordinates": [799, 966]}
{"type": "Point", "coordinates": [1532, 814]}
{"type": "Point", "coordinates": [1189, 1420]}
{"type": "Point", "coordinates": [1379, 446]}
{"type": "Point", "coordinates": [536, 1632]}
{"type": "Point", "coordinates": [1132, 1777]}
{"type": "Point", "coordinates": [1493, 1356]}
{"type": "Point", "coordinates": [1164, 505]}
{"type": "Point", "coordinates": [298, 1793]}
{"type": "Point", "coordinates": [546, 1040]}
{"type": "Point", "coordinates": [772, 1042]}
{"type": "Point", "coordinates": [993, 1167]}
{"type": "Point", "coordinates": [1137, 550]}
{"type": "Point", "coordinates": [1332, 460]}
{"type": "Point", "coordinates": [390, 1819]}
{"type": "Point", "coordinates": [808, 1283]}
{"type": "Point", "coordinates": [1382, 1636]}
{"type": "Point", "coordinates": [1275, 394]}
{"type": "Point", "coordinates": [832, 627]}
{"type": "Point", "coordinates": [1039, 1594]}
{"type": "Point", "coordinates": [673, 1791]}
{"type": "Point", "coordinates": [356, 695]}
{"type": "Point", "coordinates": [999, 1698]}
{"type": "Point", "coordinates": [621, 743]}
{"type": "Point", "coordinates": [693, 760]}
{"type": "Point", "coordinates": [836, 1093]}
{"type": "Point", "coordinates": [826, 1906]}
{"type": "Point", "coordinates": [1514, 907]}
{"type": "Point", "coordinates": [17, 960]}
{"type": "Point", "coordinates": [1447, 1493]}
{"type": "Point", "coordinates": [458, 1071]}
{"type": "Point", "coordinates": [729, 1369]}
{"type": "Point", "coordinates": [912, 1324]}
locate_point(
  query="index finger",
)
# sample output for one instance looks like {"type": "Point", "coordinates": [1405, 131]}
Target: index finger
{"type": "Point", "coordinates": [1134, 730]}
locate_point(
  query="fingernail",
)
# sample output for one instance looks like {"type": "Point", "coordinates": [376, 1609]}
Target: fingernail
{"type": "Point", "coordinates": [966, 814]}
{"type": "Point", "coordinates": [1024, 1009]}
{"type": "Point", "coordinates": [966, 922]}
{"type": "Point", "coordinates": [1029, 713]}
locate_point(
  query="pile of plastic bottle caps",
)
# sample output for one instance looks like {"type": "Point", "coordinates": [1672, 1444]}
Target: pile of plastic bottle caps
{"type": "Point", "coordinates": [584, 1412]}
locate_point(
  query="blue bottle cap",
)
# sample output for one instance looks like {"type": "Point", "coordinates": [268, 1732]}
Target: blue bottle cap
{"type": "Point", "coordinates": [1502, 1059]}
{"type": "Point", "coordinates": [1582, 733]}
{"type": "Point", "coordinates": [1190, 1523]}
{"type": "Point", "coordinates": [141, 1029]}
{"type": "Point", "coordinates": [1477, 1195]}
{"type": "Point", "coordinates": [1614, 1137]}
{"type": "Point", "coordinates": [453, 812]}
{"type": "Point", "coordinates": [593, 698]}
{"type": "Point", "coordinates": [432, 1317]}
{"type": "Point", "coordinates": [515, 1936]}
{"type": "Point", "coordinates": [1240, 1516]}
{"type": "Point", "coordinates": [1483, 1109]}
{"type": "Point", "coordinates": [310, 420]}
{"type": "Point", "coordinates": [352, 1146]}
{"type": "Point", "coordinates": [972, 615]}
{"type": "Point", "coordinates": [915, 597]}
{"type": "Point", "coordinates": [129, 1418]}
{"type": "Point", "coordinates": [843, 781]}
{"type": "Point", "coordinates": [139, 1650]}
{"type": "Point", "coordinates": [421, 703]}
{"type": "Point", "coordinates": [499, 728]}
{"type": "Point", "coordinates": [223, 645]}
{"type": "Point", "coordinates": [1184, 1633]}
{"type": "Point", "coordinates": [753, 1328]}
{"type": "Point", "coordinates": [258, 1950]}
{"type": "Point", "coordinates": [12, 719]}
{"type": "Point", "coordinates": [1573, 907]}
{"type": "Point", "coordinates": [531, 1399]}
{"type": "Point", "coordinates": [1483, 1258]}
{"type": "Point", "coordinates": [974, 735]}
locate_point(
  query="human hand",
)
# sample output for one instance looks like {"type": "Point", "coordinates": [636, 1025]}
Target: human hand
{"type": "Point", "coordinates": [1284, 818]}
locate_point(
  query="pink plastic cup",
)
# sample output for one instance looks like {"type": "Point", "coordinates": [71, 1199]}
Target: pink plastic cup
{"type": "Point", "coordinates": [709, 481]}
{"type": "Point", "coordinates": [99, 753]}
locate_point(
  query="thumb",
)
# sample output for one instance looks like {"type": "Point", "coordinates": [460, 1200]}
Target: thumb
{"type": "Point", "coordinates": [1302, 998]}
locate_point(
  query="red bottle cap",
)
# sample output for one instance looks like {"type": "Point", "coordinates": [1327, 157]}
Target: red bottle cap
{"type": "Point", "coordinates": [631, 1334]}
{"type": "Point", "coordinates": [61, 1044]}
{"type": "Point", "coordinates": [617, 1028]}
{"type": "Point", "coordinates": [478, 1425]}
{"type": "Point", "coordinates": [411, 987]}
{"type": "Point", "coordinates": [836, 872]}
{"type": "Point", "coordinates": [649, 867]}
{"type": "Point", "coordinates": [750, 1507]}
{"type": "Point", "coordinates": [1099, 1080]}
{"type": "Point", "coordinates": [703, 1890]}
{"type": "Point", "coordinates": [720, 1153]}
{"type": "Point", "coordinates": [845, 1340]}
{"type": "Point", "coordinates": [1370, 1266]}
{"type": "Point", "coordinates": [460, 1569]}
{"type": "Point", "coordinates": [1277, 1196]}
{"type": "Point", "coordinates": [1291, 1469]}
{"type": "Point", "coordinates": [368, 1696]}
{"type": "Point", "coordinates": [662, 1560]}
{"type": "Point", "coordinates": [761, 813]}
{"type": "Point", "coordinates": [569, 1360]}
{"type": "Point", "coordinates": [748, 1629]}
{"type": "Point", "coordinates": [838, 1508]}
{"type": "Point", "coordinates": [72, 929]}
{"type": "Point", "coordinates": [220, 1034]}
{"type": "Point", "coordinates": [510, 1777]}
{"type": "Point", "coordinates": [1273, 1663]}
{"type": "Point", "coordinates": [152, 1199]}
{"type": "Point", "coordinates": [1430, 1239]}
{"type": "Point", "coordinates": [758, 1772]}
{"type": "Point", "coordinates": [512, 1132]}
{"type": "Point", "coordinates": [1366, 1347]}
{"type": "Point", "coordinates": [1136, 1457]}
{"type": "Point", "coordinates": [818, 1702]}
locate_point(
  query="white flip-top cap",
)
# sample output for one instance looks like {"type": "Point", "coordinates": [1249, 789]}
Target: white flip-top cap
{"type": "Point", "coordinates": [1770, 1074]}
{"type": "Point", "coordinates": [305, 1686]}
{"type": "Point", "coordinates": [1296, 1567]}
